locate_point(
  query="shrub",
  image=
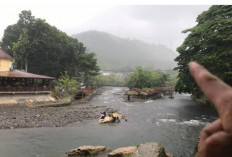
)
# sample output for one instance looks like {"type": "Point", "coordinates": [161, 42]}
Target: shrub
{"type": "Point", "coordinates": [65, 85]}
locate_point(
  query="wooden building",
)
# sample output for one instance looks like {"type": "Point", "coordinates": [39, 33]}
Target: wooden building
{"type": "Point", "coordinates": [13, 80]}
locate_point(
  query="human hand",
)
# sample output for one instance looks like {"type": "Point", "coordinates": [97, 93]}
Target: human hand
{"type": "Point", "coordinates": [216, 138]}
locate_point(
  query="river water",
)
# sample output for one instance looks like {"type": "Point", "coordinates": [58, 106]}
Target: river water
{"type": "Point", "coordinates": [175, 123]}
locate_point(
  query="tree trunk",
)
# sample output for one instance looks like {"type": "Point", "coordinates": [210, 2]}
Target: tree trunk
{"type": "Point", "coordinates": [21, 65]}
{"type": "Point", "coordinates": [26, 64]}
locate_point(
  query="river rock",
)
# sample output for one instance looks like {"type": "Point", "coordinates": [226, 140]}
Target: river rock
{"type": "Point", "coordinates": [143, 150]}
{"type": "Point", "coordinates": [150, 150]}
{"type": "Point", "coordinates": [86, 151]}
{"type": "Point", "coordinates": [123, 152]}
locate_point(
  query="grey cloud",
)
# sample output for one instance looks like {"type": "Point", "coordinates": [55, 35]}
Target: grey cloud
{"type": "Point", "coordinates": [153, 24]}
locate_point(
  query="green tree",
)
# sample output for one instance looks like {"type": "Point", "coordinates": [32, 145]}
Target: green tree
{"type": "Point", "coordinates": [100, 80]}
{"type": "Point", "coordinates": [21, 50]}
{"type": "Point", "coordinates": [65, 85]}
{"type": "Point", "coordinates": [47, 50]}
{"type": "Point", "coordinates": [13, 32]}
{"type": "Point", "coordinates": [87, 69]}
{"type": "Point", "coordinates": [142, 78]}
{"type": "Point", "coordinates": [208, 43]}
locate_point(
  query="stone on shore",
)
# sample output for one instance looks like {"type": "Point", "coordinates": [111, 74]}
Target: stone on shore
{"type": "Point", "coordinates": [150, 150]}
{"type": "Point", "coordinates": [123, 152]}
{"type": "Point", "coordinates": [87, 151]}
{"type": "Point", "coordinates": [143, 150]}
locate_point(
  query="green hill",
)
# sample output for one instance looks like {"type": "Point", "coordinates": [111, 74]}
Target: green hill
{"type": "Point", "coordinates": [115, 53]}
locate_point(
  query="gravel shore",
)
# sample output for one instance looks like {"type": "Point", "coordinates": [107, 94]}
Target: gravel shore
{"type": "Point", "coordinates": [12, 117]}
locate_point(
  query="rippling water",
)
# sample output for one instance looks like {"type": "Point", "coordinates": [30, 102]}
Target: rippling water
{"type": "Point", "coordinates": [175, 123]}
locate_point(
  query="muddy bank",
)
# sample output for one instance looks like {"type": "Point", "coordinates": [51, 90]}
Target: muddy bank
{"type": "Point", "coordinates": [12, 117]}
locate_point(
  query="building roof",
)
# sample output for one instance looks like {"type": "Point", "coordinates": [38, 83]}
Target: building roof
{"type": "Point", "coordinates": [22, 74]}
{"type": "Point", "coordinates": [4, 55]}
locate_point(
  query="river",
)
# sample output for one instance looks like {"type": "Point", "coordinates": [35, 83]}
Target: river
{"type": "Point", "coordinates": [175, 123]}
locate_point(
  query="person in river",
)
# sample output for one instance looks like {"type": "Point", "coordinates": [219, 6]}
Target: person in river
{"type": "Point", "coordinates": [103, 115]}
{"type": "Point", "coordinates": [216, 138]}
{"type": "Point", "coordinates": [128, 97]}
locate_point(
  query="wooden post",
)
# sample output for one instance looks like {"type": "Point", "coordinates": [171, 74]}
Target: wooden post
{"type": "Point", "coordinates": [35, 84]}
{"type": "Point", "coordinates": [2, 81]}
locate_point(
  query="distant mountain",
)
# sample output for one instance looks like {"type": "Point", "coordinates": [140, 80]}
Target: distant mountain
{"type": "Point", "coordinates": [115, 53]}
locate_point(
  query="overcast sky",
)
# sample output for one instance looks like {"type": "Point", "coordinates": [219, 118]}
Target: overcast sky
{"type": "Point", "coordinates": [153, 24]}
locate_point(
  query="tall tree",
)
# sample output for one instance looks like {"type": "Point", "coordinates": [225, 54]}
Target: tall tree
{"type": "Point", "coordinates": [208, 43]}
{"type": "Point", "coordinates": [87, 68]}
{"type": "Point", "coordinates": [21, 50]}
{"type": "Point", "coordinates": [13, 32]}
{"type": "Point", "coordinates": [46, 49]}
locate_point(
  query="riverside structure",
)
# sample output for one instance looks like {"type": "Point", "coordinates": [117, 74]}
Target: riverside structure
{"type": "Point", "coordinates": [21, 83]}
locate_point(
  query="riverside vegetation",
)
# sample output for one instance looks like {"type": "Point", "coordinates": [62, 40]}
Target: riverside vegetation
{"type": "Point", "coordinates": [208, 43]}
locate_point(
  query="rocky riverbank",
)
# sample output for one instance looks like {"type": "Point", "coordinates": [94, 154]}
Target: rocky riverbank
{"type": "Point", "coordinates": [141, 150]}
{"type": "Point", "coordinates": [12, 117]}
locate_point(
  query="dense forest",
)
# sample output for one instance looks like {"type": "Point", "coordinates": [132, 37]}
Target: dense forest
{"type": "Point", "coordinates": [208, 43]}
{"type": "Point", "coordinates": [40, 48]}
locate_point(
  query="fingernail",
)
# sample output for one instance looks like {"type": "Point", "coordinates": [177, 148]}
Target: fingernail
{"type": "Point", "coordinates": [192, 67]}
{"type": "Point", "coordinates": [192, 63]}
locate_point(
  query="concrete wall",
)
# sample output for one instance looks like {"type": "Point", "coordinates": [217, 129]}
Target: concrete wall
{"type": "Point", "coordinates": [5, 65]}
{"type": "Point", "coordinates": [25, 99]}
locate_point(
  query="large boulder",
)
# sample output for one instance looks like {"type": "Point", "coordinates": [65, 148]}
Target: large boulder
{"type": "Point", "coordinates": [150, 150]}
{"type": "Point", "coordinates": [123, 152]}
{"type": "Point", "coordinates": [83, 151]}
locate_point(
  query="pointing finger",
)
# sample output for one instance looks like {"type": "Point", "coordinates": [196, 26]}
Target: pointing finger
{"type": "Point", "coordinates": [216, 90]}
